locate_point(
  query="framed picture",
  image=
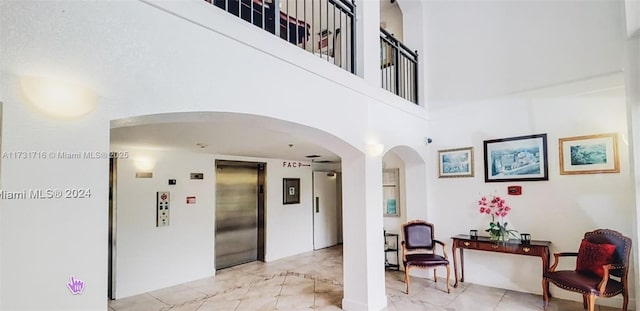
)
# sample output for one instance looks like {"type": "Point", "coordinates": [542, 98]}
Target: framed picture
{"type": "Point", "coordinates": [522, 158]}
{"type": "Point", "coordinates": [455, 162]}
{"type": "Point", "coordinates": [290, 190]}
{"type": "Point", "coordinates": [592, 154]}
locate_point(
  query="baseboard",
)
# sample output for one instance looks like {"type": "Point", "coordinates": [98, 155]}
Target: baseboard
{"type": "Point", "coordinates": [350, 305]}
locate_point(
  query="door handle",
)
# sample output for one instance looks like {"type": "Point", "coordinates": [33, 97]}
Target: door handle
{"type": "Point", "coordinates": [317, 204]}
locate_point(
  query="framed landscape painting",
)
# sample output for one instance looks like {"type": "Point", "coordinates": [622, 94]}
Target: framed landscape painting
{"type": "Point", "coordinates": [455, 162]}
{"type": "Point", "coordinates": [522, 158]}
{"type": "Point", "coordinates": [592, 154]}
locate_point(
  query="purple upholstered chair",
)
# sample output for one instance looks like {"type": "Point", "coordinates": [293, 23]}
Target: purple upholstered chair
{"type": "Point", "coordinates": [418, 250]}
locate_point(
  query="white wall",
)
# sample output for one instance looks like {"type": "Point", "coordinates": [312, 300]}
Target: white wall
{"type": "Point", "coordinates": [537, 67]}
{"type": "Point", "coordinates": [150, 257]}
{"type": "Point", "coordinates": [158, 57]}
{"type": "Point", "coordinates": [481, 49]}
{"type": "Point", "coordinates": [561, 209]}
{"type": "Point", "coordinates": [46, 241]}
{"type": "Point", "coordinates": [289, 228]}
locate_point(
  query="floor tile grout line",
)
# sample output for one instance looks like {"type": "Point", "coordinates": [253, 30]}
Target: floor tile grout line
{"type": "Point", "coordinates": [158, 299]}
{"type": "Point", "coordinates": [264, 278]}
{"type": "Point", "coordinates": [280, 292]}
{"type": "Point", "coordinates": [499, 301]}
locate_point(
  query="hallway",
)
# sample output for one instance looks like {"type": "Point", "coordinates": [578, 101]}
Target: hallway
{"type": "Point", "coordinates": [313, 281]}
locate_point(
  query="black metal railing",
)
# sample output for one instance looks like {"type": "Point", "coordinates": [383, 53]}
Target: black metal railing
{"type": "Point", "coordinates": [325, 28]}
{"type": "Point", "coordinates": [398, 68]}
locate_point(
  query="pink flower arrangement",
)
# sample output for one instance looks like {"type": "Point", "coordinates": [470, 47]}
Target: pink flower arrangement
{"type": "Point", "coordinates": [496, 206]}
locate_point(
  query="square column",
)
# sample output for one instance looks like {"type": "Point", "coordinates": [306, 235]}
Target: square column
{"type": "Point", "coordinates": [364, 278]}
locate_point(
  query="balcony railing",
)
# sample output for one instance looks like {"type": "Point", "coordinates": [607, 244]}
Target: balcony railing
{"type": "Point", "coordinates": [398, 68]}
{"type": "Point", "coordinates": [325, 28]}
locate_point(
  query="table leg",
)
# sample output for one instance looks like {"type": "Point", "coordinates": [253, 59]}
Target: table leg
{"type": "Point", "coordinates": [545, 268]}
{"type": "Point", "coordinates": [462, 264]}
{"type": "Point", "coordinates": [455, 263]}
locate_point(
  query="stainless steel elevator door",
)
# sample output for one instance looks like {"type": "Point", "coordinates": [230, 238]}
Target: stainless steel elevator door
{"type": "Point", "coordinates": [236, 215]}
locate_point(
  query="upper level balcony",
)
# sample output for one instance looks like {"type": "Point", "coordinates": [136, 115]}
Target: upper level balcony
{"type": "Point", "coordinates": [327, 29]}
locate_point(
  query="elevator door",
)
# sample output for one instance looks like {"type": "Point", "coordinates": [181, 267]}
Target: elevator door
{"type": "Point", "coordinates": [236, 215]}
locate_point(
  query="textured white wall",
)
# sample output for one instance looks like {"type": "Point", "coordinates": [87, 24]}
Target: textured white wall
{"type": "Point", "coordinates": [162, 57]}
{"type": "Point", "coordinates": [481, 49]}
{"type": "Point", "coordinates": [187, 245]}
{"type": "Point", "coordinates": [150, 257]}
{"type": "Point", "coordinates": [561, 209]}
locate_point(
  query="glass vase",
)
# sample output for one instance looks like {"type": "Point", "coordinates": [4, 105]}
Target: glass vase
{"type": "Point", "coordinates": [498, 236]}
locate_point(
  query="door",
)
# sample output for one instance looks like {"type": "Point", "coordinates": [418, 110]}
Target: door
{"type": "Point", "coordinates": [111, 273]}
{"type": "Point", "coordinates": [325, 209]}
{"type": "Point", "coordinates": [238, 192]}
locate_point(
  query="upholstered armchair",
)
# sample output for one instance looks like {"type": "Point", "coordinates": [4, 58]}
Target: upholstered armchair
{"type": "Point", "coordinates": [601, 270]}
{"type": "Point", "coordinates": [419, 250]}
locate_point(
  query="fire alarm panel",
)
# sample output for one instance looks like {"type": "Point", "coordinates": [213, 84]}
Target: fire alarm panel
{"type": "Point", "coordinates": [514, 190]}
{"type": "Point", "coordinates": [162, 209]}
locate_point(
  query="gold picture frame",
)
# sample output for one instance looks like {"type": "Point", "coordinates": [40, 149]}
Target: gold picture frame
{"type": "Point", "coordinates": [589, 154]}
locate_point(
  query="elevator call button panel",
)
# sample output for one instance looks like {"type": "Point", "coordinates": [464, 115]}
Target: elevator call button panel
{"type": "Point", "coordinates": [162, 209]}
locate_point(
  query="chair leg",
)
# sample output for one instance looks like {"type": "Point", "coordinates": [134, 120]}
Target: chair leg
{"type": "Point", "coordinates": [545, 292]}
{"type": "Point", "coordinates": [435, 279]}
{"type": "Point", "coordinates": [625, 298]}
{"type": "Point", "coordinates": [584, 301]}
{"type": "Point", "coordinates": [406, 278]}
{"type": "Point", "coordinates": [448, 275]}
{"type": "Point", "coordinates": [592, 302]}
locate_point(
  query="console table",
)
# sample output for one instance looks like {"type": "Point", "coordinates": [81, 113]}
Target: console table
{"type": "Point", "coordinates": [462, 242]}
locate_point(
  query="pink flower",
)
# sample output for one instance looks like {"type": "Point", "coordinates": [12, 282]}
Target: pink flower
{"type": "Point", "coordinates": [494, 205]}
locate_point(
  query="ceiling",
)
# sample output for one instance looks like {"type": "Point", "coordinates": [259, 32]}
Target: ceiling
{"type": "Point", "coordinates": [223, 136]}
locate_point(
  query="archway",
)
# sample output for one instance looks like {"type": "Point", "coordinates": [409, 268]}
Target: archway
{"type": "Point", "coordinates": [178, 146]}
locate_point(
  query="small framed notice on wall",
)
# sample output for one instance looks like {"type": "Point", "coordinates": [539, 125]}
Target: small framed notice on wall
{"type": "Point", "coordinates": [290, 190]}
{"type": "Point", "coordinates": [391, 192]}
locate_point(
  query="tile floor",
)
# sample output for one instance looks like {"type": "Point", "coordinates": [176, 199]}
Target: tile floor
{"type": "Point", "coordinates": [313, 281]}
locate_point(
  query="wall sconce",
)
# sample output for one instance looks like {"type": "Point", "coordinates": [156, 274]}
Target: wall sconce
{"type": "Point", "coordinates": [58, 98]}
{"type": "Point", "coordinates": [375, 150]}
{"type": "Point", "coordinates": [144, 164]}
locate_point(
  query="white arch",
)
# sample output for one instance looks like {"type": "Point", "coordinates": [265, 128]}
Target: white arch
{"type": "Point", "coordinates": [414, 182]}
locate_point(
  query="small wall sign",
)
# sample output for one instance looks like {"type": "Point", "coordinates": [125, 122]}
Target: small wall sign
{"type": "Point", "coordinates": [191, 200]}
{"type": "Point", "coordinates": [295, 164]}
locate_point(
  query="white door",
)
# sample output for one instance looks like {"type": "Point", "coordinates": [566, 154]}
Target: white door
{"type": "Point", "coordinates": [325, 210]}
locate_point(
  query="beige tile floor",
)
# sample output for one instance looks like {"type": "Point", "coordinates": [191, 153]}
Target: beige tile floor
{"type": "Point", "coordinates": [313, 281]}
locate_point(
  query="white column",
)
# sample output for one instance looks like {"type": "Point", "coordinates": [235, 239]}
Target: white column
{"type": "Point", "coordinates": [368, 41]}
{"type": "Point", "coordinates": [632, 71]}
{"type": "Point", "coordinates": [364, 284]}
{"type": "Point", "coordinates": [633, 102]}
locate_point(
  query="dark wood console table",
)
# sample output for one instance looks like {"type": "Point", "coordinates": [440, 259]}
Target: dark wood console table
{"type": "Point", "coordinates": [462, 242]}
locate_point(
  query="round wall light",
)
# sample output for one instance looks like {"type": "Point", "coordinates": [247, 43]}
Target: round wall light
{"type": "Point", "coordinates": [58, 98]}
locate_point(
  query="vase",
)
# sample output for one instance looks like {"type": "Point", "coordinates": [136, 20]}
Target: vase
{"type": "Point", "coordinates": [498, 236]}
